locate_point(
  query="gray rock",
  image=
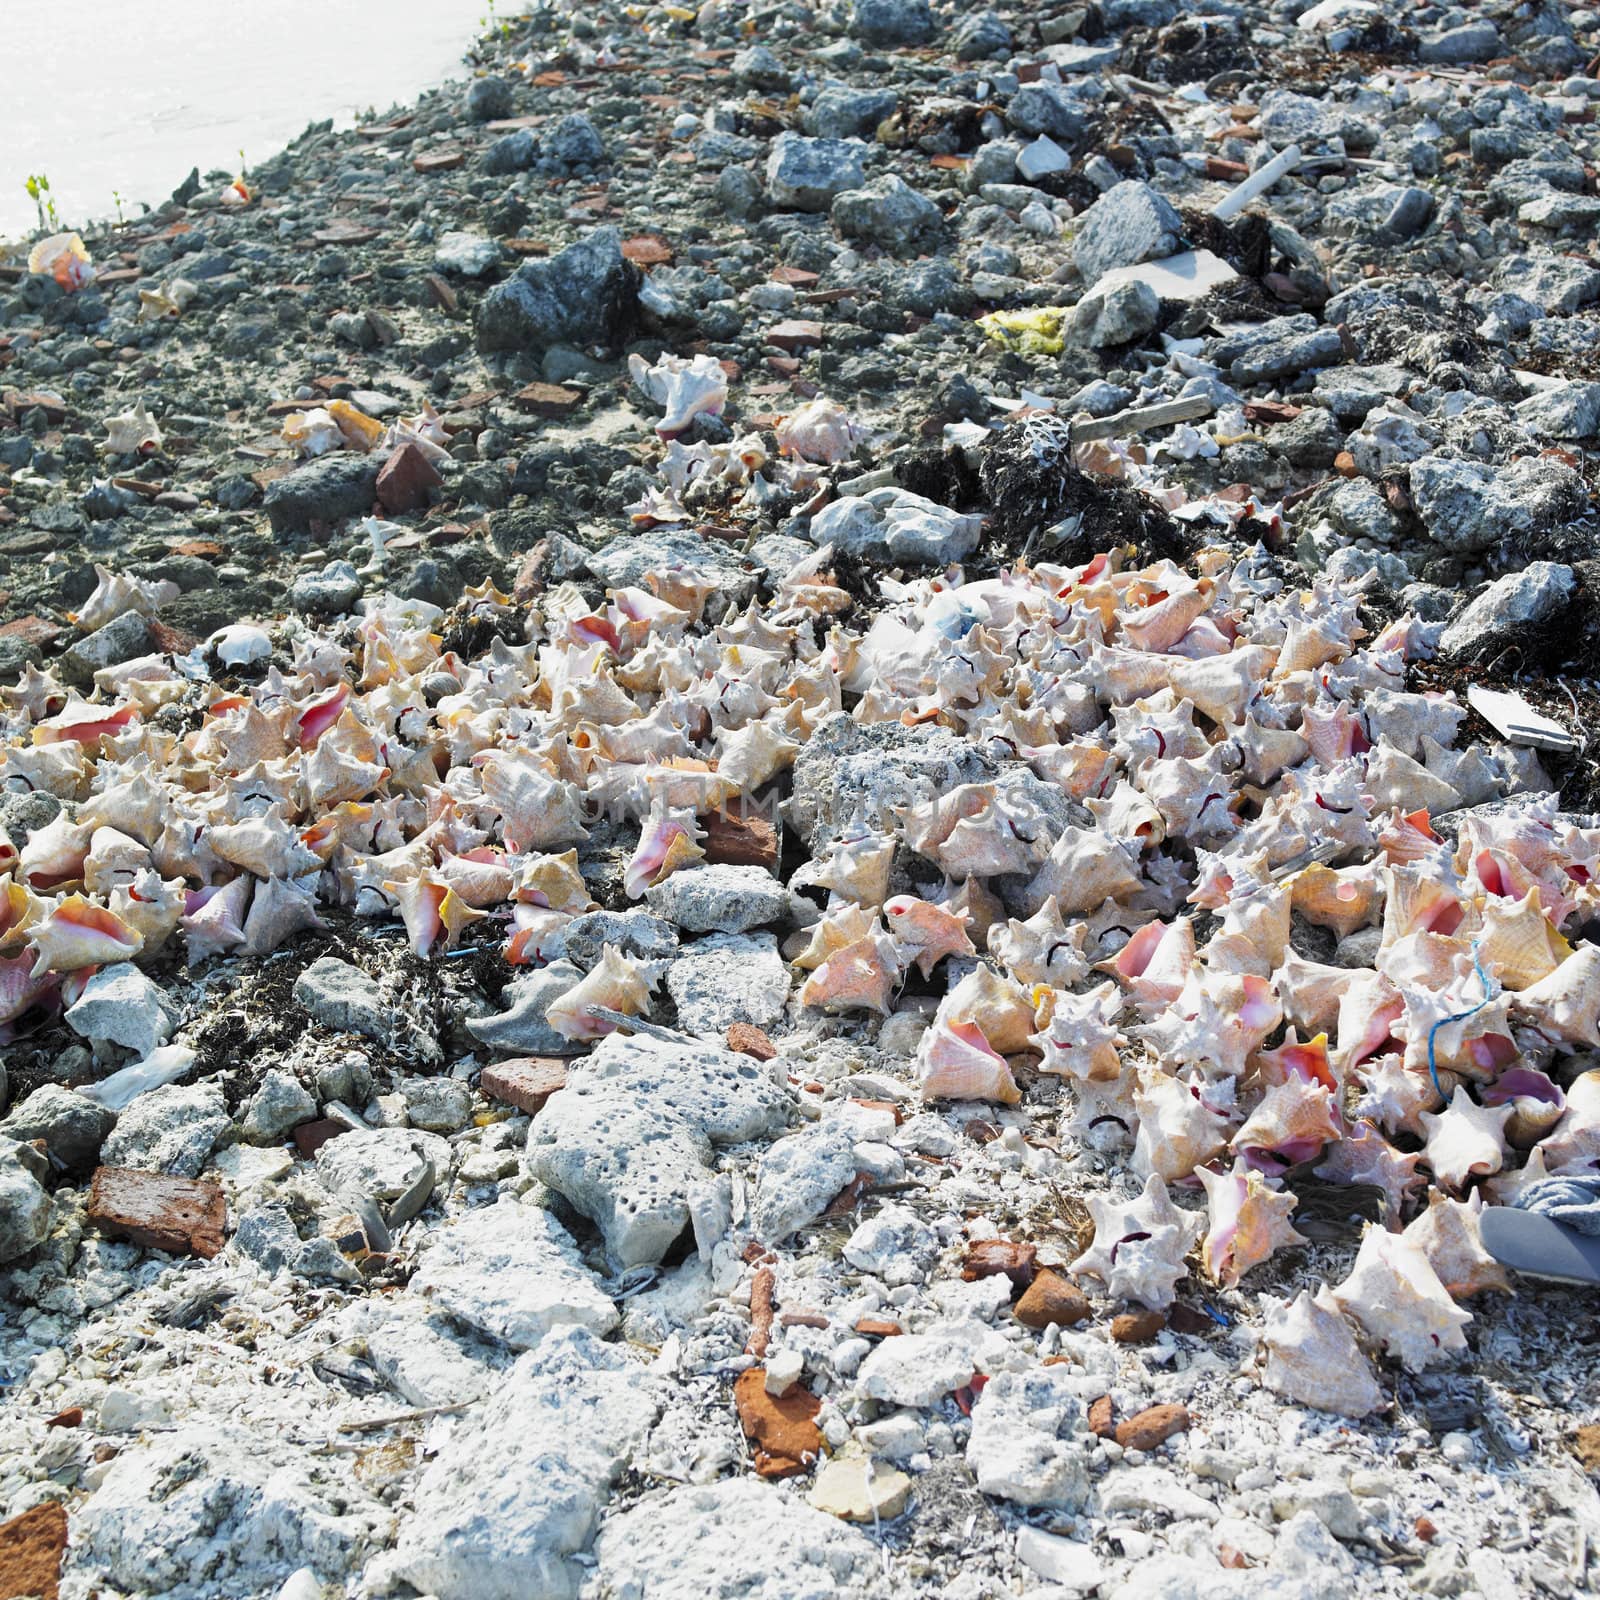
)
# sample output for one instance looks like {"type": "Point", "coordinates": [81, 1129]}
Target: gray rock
{"type": "Point", "coordinates": [1351, 392]}
{"type": "Point", "coordinates": [438, 1105]}
{"type": "Point", "coordinates": [321, 492]}
{"type": "Point", "coordinates": [329, 593]}
{"type": "Point", "coordinates": [981, 36]}
{"type": "Point", "coordinates": [120, 1005]}
{"type": "Point", "coordinates": [1128, 224]}
{"type": "Point", "coordinates": [1116, 315]}
{"type": "Point", "coordinates": [469, 254]}
{"type": "Point", "coordinates": [572, 143]}
{"type": "Point", "coordinates": [124, 638]}
{"type": "Point", "coordinates": [521, 1028]}
{"type": "Point", "coordinates": [625, 561]}
{"type": "Point", "coordinates": [1048, 108]}
{"type": "Point", "coordinates": [888, 211]}
{"type": "Point", "coordinates": [1562, 411]}
{"type": "Point", "coordinates": [893, 1244]}
{"type": "Point", "coordinates": [892, 22]}
{"type": "Point", "coordinates": [634, 933]}
{"type": "Point", "coordinates": [634, 1130]}
{"type": "Point", "coordinates": [728, 978]}
{"type": "Point", "coordinates": [24, 1204]}
{"type": "Point", "coordinates": [344, 997]}
{"type": "Point", "coordinates": [892, 524]}
{"type": "Point", "coordinates": [73, 1128]}
{"type": "Point", "coordinates": [517, 1491]}
{"type": "Point", "coordinates": [280, 1104]}
{"type": "Point", "coordinates": [511, 1273]}
{"type": "Point", "coordinates": [697, 1540]}
{"type": "Point", "coordinates": [1558, 283]}
{"type": "Point", "coordinates": [585, 295]}
{"type": "Point", "coordinates": [805, 174]}
{"type": "Point", "coordinates": [719, 899]}
{"type": "Point", "coordinates": [1288, 118]}
{"type": "Point", "coordinates": [1508, 607]}
{"type": "Point", "coordinates": [1468, 506]}
{"type": "Point", "coordinates": [798, 1178]}
{"type": "Point", "coordinates": [172, 1128]}
{"type": "Point", "coordinates": [511, 152]}
{"type": "Point", "coordinates": [757, 67]}
{"type": "Point", "coordinates": [1272, 360]}
{"type": "Point", "coordinates": [381, 1163]}
{"type": "Point", "coordinates": [1026, 1444]}
{"type": "Point", "coordinates": [844, 113]}
{"type": "Point", "coordinates": [1472, 42]}
{"type": "Point", "coordinates": [488, 100]}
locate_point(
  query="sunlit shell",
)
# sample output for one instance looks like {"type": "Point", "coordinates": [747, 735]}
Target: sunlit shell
{"type": "Point", "coordinates": [1249, 1222]}
{"type": "Point", "coordinates": [1448, 1235]}
{"type": "Point", "coordinates": [1575, 1143]}
{"type": "Point", "coordinates": [553, 881]}
{"type": "Point", "coordinates": [1081, 1038]}
{"type": "Point", "coordinates": [1177, 1130]}
{"type": "Point", "coordinates": [77, 933]}
{"type": "Point", "coordinates": [956, 1062]}
{"type": "Point", "coordinates": [926, 933]}
{"type": "Point", "coordinates": [1223, 686]}
{"type": "Point", "coordinates": [1536, 1101]}
{"type": "Point", "coordinates": [1395, 1095]}
{"type": "Point", "coordinates": [1155, 963]}
{"type": "Point", "coordinates": [432, 911]}
{"type": "Point", "coordinates": [668, 840]}
{"type": "Point", "coordinates": [1219, 1020]}
{"type": "Point", "coordinates": [1001, 1008]}
{"type": "Point", "coordinates": [1159, 626]}
{"type": "Point", "coordinates": [132, 430]}
{"type": "Point", "coordinates": [1296, 1058]}
{"type": "Point", "coordinates": [1313, 1359]}
{"type": "Point", "coordinates": [150, 905]}
{"type": "Point", "coordinates": [266, 845]}
{"type": "Point", "coordinates": [1565, 1004]}
{"type": "Point", "coordinates": [52, 857]}
{"type": "Point", "coordinates": [837, 928]}
{"type": "Point", "coordinates": [615, 983]}
{"type": "Point", "coordinates": [1139, 1245]}
{"type": "Point", "coordinates": [1084, 868]}
{"type": "Point", "coordinates": [1344, 900]}
{"type": "Point", "coordinates": [279, 908]}
{"type": "Point", "coordinates": [1043, 949]}
{"type": "Point", "coordinates": [214, 921]}
{"type": "Point", "coordinates": [1465, 1141]}
{"type": "Point", "coordinates": [685, 388]}
{"type": "Point", "coordinates": [1517, 943]}
{"type": "Point", "coordinates": [116, 593]}
{"type": "Point", "coordinates": [1364, 1156]}
{"type": "Point", "coordinates": [1394, 779]}
{"type": "Point", "coordinates": [537, 810]}
{"type": "Point", "coordinates": [860, 976]}
{"type": "Point", "coordinates": [854, 868]}
{"type": "Point", "coordinates": [113, 858]}
{"type": "Point", "coordinates": [818, 431]}
{"type": "Point", "coordinates": [481, 877]}
{"type": "Point", "coordinates": [20, 908]}
{"type": "Point", "coordinates": [977, 831]}
{"type": "Point", "coordinates": [1396, 1296]}
{"type": "Point", "coordinates": [1294, 1120]}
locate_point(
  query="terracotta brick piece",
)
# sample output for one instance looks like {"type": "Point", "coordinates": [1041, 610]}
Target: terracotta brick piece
{"type": "Point", "coordinates": [526, 1083]}
{"type": "Point", "coordinates": [183, 1215]}
{"type": "Point", "coordinates": [31, 1547]}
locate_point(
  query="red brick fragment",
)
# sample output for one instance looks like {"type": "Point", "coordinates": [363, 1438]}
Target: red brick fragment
{"type": "Point", "coordinates": [548, 399]}
{"type": "Point", "coordinates": [31, 630]}
{"type": "Point", "coordinates": [988, 1258]}
{"type": "Point", "coordinates": [782, 1429]}
{"type": "Point", "coordinates": [526, 1083]}
{"type": "Point", "coordinates": [647, 250]}
{"type": "Point", "coordinates": [746, 1039]}
{"type": "Point", "coordinates": [31, 1548]}
{"type": "Point", "coordinates": [442, 160]}
{"type": "Point", "coordinates": [1137, 1327]}
{"type": "Point", "coordinates": [1152, 1427]}
{"type": "Point", "coordinates": [185, 1216]}
{"type": "Point", "coordinates": [794, 334]}
{"type": "Point", "coordinates": [1050, 1298]}
{"type": "Point", "coordinates": [733, 840]}
{"type": "Point", "coordinates": [72, 1417]}
{"type": "Point", "coordinates": [878, 1328]}
{"type": "Point", "coordinates": [310, 1137]}
{"type": "Point", "coordinates": [761, 1307]}
{"type": "Point", "coordinates": [1100, 1418]}
{"type": "Point", "coordinates": [405, 480]}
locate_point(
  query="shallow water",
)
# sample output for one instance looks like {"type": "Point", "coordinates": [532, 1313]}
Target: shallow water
{"type": "Point", "coordinates": [128, 95]}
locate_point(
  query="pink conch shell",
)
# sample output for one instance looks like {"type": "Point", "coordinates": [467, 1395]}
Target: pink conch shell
{"type": "Point", "coordinates": [1448, 1235]}
{"type": "Point", "coordinates": [1397, 1297]}
{"type": "Point", "coordinates": [926, 933]}
{"type": "Point", "coordinates": [1564, 1006]}
{"type": "Point", "coordinates": [1217, 1022]}
{"type": "Point", "coordinates": [1307, 1060]}
{"type": "Point", "coordinates": [214, 921]}
{"type": "Point", "coordinates": [79, 722]}
{"type": "Point", "coordinates": [78, 933]}
{"type": "Point", "coordinates": [1162, 623]}
{"type": "Point", "coordinates": [1043, 949]}
{"type": "Point", "coordinates": [1249, 1222]}
{"type": "Point", "coordinates": [151, 905]}
{"type": "Point", "coordinates": [481, 877]}
{"type": "Point", "coordinates": [1177, 1130]}
{"type": "Point", "coordinates": [553, 881]}
{"type": "Point", "coordinates": [1364, 1156]}
{"type": "Point", "coordinates": [279, 908]}
{"type": "Point", "coordinates": [1575, 1143]}
{"type": "Point", "coordinates": [837, 928]}
{"type": "Point", "coordinates": [1139, 1245]}
{"type": "Point", "coordinates": [861, 976]}
{"type": "Point", "coordinates": [1536, 1101]}
{"type": "Point", "coordinates": [21, 989]}
{"type": "Point", "coordinates": [1396, 1096]}
{"type": "Point", "coordinates": [684, 388]}
{"type": "Point", "coordinates": [615, 983]}
{"type": "Point", "coordinates": [818, 431]}
{"type": "Point", "coordinates": [113, 859]}
{"type": "Point", "coordinates": [1314, 1360]}
{"type": "Point", "coordinates": [53, 856]}
{"type": "Point", "coordinates": [1343, 899]}
{"type": "Point", "coordinates": [117, 592]}
{"type": "Point", "coordinates": [669, 840]}
{"type": "Point", "coordinates": [1001, 1009]}
{"type": "Point", "coordinates": [431, 910]}
{"type": "Point", "coordinates": [956, 1062]}
{"type": "Point", "coordinates": [1293, 1122]}
{"type": "Point", "coordinates": [1518, 944]}
{"type": "Point", "coordinates": [1081, 1038]}
{"type": "Point", "coordinates": [1155, 963]}
{"type": "Point", "coordinates": [537, 935]}
{"type": "Point", "coordinates": [854, 869]}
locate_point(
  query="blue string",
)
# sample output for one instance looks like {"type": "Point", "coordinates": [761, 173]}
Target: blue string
{"type": "Point", "coordinates": [1460, 1016]}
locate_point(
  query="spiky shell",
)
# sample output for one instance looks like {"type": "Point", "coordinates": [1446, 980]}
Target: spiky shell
{"type": "Point", "coordinates": [1396, 1296]}
{"type": "Point", "coordinates": [1313, 1359]}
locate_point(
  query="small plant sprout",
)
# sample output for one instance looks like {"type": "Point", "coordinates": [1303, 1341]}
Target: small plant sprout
{"type": "Point", "coordinates": [38, 186]}
{"type": "Point", "coordinates": [116, 198]}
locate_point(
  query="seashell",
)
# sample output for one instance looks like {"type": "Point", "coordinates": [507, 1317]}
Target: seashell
{"type": "Point", "coordinates": [21, 989]}
{"type": "Point", "coordinates": [1309, 644]}
{"type": "Point", "coordinates": [1394, 779]}
{"type": "Point", "coordinates": [20, 909]}
{"type": "Point", "coordinates": [1396, 1095]}
{"type": "Point", "coordinates": [1575, 1143]}
{"type": "Point", "coordinates": [1177, 1130]}
{"type": "Point", "coordinates": [1364, 1156]}
{"type": "Point", "coordinates": [668, 840]}
{"type": "Point", "coordinates": [1369, 1010]}
{"type": "Point", "coordinates": [171, 299]}
{"type": "Point", "coordinates": [359, 431]}
{"type": "Point", "coordinates": [1409, 838]}
{"type": "Point", "coordinates": [77, 933]}
{"type": "Point", "coordinates": [1267, 751]}
{"type": "Point", "coordinates": [860, 976]}
{"type": "Point", "coordinates": [1518, 944]}
{"type": "Point", "coordinates": [1001, 1008]}
{"type": "Point", "coordinates": [1292, 1123]}
{"type": "Point", "coordinates": [1249, 1223]}
{"type": "Point", "coordinates": [1223, 686]}
{"type": "Point", "coordinates": [1085, 868]}
{"type": "Point", "coordinates": [554, 881]}
{"type": "Point", "coordinates": [1314, 1360]}
{"type": "Point", "coordinates": [615, 983]}
{"type": "Point", "coordinates": [1217, 1023]}
{"type": "Point", "coordinates": [1508, 1188]}
{"type": "Point", "coordinates": [53, 856]}
{"type": "Point", "coordinates": [1344, 899]}
{"type": "Point", "coordinates": [267, 846]}
{"type": "Point", "coordinates": [753, 755]}
{"type": "Point", "coordinates": [926, 933]}
{"type": "Point", "coordinates": [1307, 1061]}
{"type": "Point", "coordinates": [1043, 949]}
{"type": "Point", "coordinates": [1564, 1005]}
{"type": "Point", "coordinates": [79, 722]}
{"type": "Point", "coordinates": [1447, 1234]}
{"type": "Point", "coordinates": [115, 594]}
{"type": "Point", "coordinates": [818, 431]}
{"type": "Point", "coordinates": [344, 765]}
{"type": "Point", "coordinates": [538, 936]}
{"type": "Point", "coordinates": [131, 431]}
{"type": "Point", "coordinates": [956, 1062]}
{"type": "Point", "coordinates": [1081, 1039]}
{"type": "Point", "coordinates": [1421, 897]}
{"type": "Point", "coordinates": [151, 905]}
{"type": "Point", "coordinates": [1129, 813]}
{"type": "Point", "coordinates": [279, 908]}
{"type": "Point", "coordinates": [1397, 1298]}
{"type": "Point", "coordinates": [1457, 1029]}
{"type": "Point", "coordinates": [1139, 1245]}
{"type": "Point", "coordinates": [135, 806]}
{"type": "Point", "coordinates": [978, 905]}
{"type": "Point", "coordinates": [63, 257]}
{"type": "Point", "coordinates": [537, 809]}
{"type": "Point", "coordinates": [1465, 1140]}
{"type": "Point", "coordinates": [1154, 965]}
{"type": "Point", "coordinates": [214, 920]}
{"type": "Point", "coordinates": [1537, 1104]}
{"type": "Point", "coordinates": [686, 389]}
{"type": "Point", "coordinates": [113, 859]}
{"type": "Point", "coordinates": [312, 433]}
{"type": "Point", "coordinates": [833, 931]}
{"type": "Point", "coordinates": [977, 831]}
{"type": "Point", "coordinates": [1163, 622]}
{"type": "Point", "coordinates": [854, 869]}
{"type": "Point", "coordinates": [431, 910]}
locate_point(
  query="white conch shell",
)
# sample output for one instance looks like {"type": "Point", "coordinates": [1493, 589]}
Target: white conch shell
{"type": "Point", "coordinates": [1155, 963]}
{"type": "Point", "coordinates": [855, 868]}
{"type": "Point", "coordinates": [1000, 1008]}
{"type": "Point", "coordinates": [1139, 1245]}
{"type": "Point", "coordinates": [1081, 1038]}
{"type": "Point", "coordinates": [116, 593]}
{"type": "Point", "coordinates": [859, 976]}
{"type": "Point", "coordinates": [926, 933]}
{"type": "Point", "coordinates": [279, 908]}
{"type": "Point", "coordinates": [977, 831]}
{"type": "Point", "coordinates": [1314, 1360]}
{"type": "Point", "coordinates": [1449, 1236]}
{"type": "Point", "coordinates": [1575, 1144]}
{"type": "Point", "coordinates": [1518, 944]}
{"type": "Point", "coordinates": [685, 388]}
{"type": "Point", "coordinates": [615, 983]}
{"type": "Point", "coordinates": [1043, 949]}
{"type": "Point", "coordinates": [1293, 1122]}
{"type": "Point", "coordinates": [77, 933]}
{"type": "Point", "coordinates": [240, 644]}
{"type": "Point", "coordinates": [1177, 1130]}
{"type": "Point", "coordinates": [214, 921]}
{"type": "Point", "coordinates": [956, 1062]}
{"type": "Point", "coordinates": [1565, 1004]}
{"type": "Point", "coordinates": [1465, 1141]}
{"type": "Point", "coordinates": [1397, 1297]}
{"type": "Point", "coordinates": [1249, 1222]}
{"type": "Point", "coordinates": [165, 1064]}
{"type": "Point", "coordinates": [537, 809]}
{"type": "Point", "coordinates": [818, 431]}
{"type": "Point", "coordinates": [1537, 1104]}
{"type": "Point", "coordinates": [132, 430]}
{"type": "Point", "coordinates": [1085, 868]}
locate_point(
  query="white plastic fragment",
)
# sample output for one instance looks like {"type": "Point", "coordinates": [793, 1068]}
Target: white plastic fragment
{"type": "Point", "coordinates": [1259, 181]}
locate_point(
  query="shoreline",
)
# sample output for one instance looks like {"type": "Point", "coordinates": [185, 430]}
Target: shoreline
{"type": "Point", "coordinates": [746, 820]}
